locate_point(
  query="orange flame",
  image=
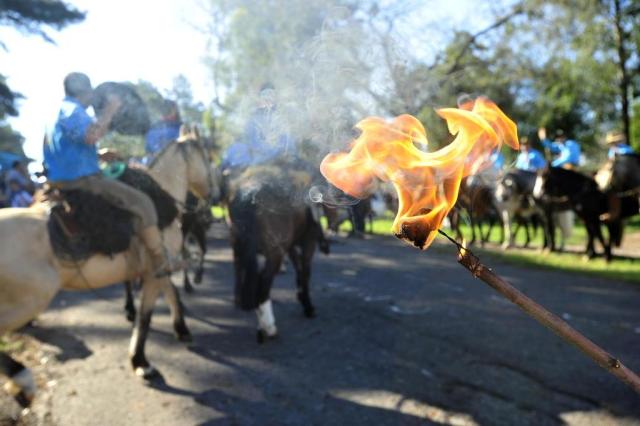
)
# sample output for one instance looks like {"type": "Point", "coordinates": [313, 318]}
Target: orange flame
{"type": "Point", "coordinates": [427, 183]}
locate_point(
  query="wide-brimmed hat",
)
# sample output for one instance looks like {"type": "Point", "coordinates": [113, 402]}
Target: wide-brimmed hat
{"type": "Point", "coordinates": [614, 137]}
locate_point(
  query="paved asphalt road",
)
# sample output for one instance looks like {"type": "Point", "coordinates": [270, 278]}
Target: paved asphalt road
{"type": "Point", "coordinates": [401, 337]}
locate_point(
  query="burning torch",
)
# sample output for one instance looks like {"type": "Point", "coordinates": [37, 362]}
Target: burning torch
{"type": "Point", "coordinates": [427, 184]}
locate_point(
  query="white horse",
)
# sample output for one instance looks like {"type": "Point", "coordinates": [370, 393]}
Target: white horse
{"type": "Point", "coordinates": [31, 275]}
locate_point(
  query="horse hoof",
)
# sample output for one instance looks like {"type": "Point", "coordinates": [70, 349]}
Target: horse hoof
{"type": "Point", "coordinates": [131, 317]}
{"type": "Point", "coordinates": [310, 312]}
{"type": "Point", "coordinates": [198, 278]}
{"type": "Point", "coordinates": [184, 337]}
{"type": "Point", "coordinates": [23, 399]}
{"type": "Point", "coordinates": [146, 373]}
{"type": "Point", "coordinates": [262, 337]}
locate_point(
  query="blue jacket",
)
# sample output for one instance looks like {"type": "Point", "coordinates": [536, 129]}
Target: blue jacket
{"type": "Point", "coordinates": [263, 142]}
{"type": "Point", "coordinates": [160, 135]}
{"type": "Point", "coordinates": [568, 152]}
{"type": "Point", "coordinates": [531, 160]}
{"type": "Point", "coordinates": [66, 155]}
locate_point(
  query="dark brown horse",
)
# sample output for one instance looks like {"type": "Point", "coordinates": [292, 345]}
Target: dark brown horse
{"type": "Point", "coordinates": [270, 216]}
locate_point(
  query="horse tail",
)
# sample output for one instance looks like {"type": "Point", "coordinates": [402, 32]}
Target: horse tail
{"type": "Point", "coordinates": [244, 231]}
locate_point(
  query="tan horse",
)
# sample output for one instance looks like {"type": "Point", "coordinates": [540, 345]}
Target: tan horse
{"type": "Point", "coordinates": [31, 275]}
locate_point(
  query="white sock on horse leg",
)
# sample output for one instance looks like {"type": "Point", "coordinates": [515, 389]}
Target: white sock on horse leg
{"type": "Point", "coordinates": [266, 320]}
{"type": "Point", "coordinates": [21, 382]}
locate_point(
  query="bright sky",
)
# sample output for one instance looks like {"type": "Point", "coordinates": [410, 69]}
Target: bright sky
{"type": "Point", "coordinates": [120, 40]}
{"type": "Point", "coordinates": [129, 40]}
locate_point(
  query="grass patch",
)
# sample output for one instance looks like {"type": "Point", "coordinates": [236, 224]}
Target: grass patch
{"type": "Point", "coordinates": [9, 346]}
{"type": "Point", "coordinates": [618, 269]}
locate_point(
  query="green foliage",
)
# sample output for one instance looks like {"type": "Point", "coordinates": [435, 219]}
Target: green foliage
{"type": "Point", "coordinates": [125, 145]}
{"type": "Point", "coordinates": [635, 127]}
{"type": "Point", "coordinates": [10, 140]}
{"type": "Point", "coordinates": [314, 54]}
{"type": "Point", "coordinates": [190, 111]}
{"type": "Point", "coordinates": [29, 17]}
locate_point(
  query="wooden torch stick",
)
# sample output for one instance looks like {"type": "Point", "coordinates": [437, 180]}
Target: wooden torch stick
{"type": "Point", "coordinates": [467, 259]}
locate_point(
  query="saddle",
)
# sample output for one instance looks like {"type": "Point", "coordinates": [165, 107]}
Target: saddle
{"type": "Point", "coordinates": [82, 224]}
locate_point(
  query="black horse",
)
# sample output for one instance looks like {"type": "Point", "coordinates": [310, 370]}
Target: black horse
{"type": "Point", "coordinates": [196, 221]}
{"type": "Point", "coordinates": [270, 216]}
{"type": "Point", "coordinates": [557, 185]}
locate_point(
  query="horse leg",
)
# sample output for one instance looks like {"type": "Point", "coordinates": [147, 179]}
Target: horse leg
{"type": "Point", "coordinates": [201, 236]}
{"type": "Point", "coordinates": [21, 385]}
{"type": "Point", "coordinates": [129, 305]}
{"type": "Point", "coordinates": [150, 291]}
{"type": "Point", "coordinates": [550, 230]}
{"type": "Point", "coordinates": [303, 279]}
{"type": "Point", "coordinates": [506, 229]}
{"type": "Point", "coordinates": [472, 225]}
{"type": "Point", "coordinates": [303, 274]}
{"type": "Point", "coordinates": [186, 282]}
{"type": "Point", "coordinates": [176, 307]}
{"type": "Point", "coordinates": [591, 233]}
{"type": "Point", "coordinates": [615, 232]}
{"type": "Point", "coordinates": [266, 321]}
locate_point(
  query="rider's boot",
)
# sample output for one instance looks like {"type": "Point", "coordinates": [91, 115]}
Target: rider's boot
{"type": "Point", "coordinates": [162, 263]}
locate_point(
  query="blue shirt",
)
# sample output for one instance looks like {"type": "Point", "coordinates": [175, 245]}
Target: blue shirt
{"type": "Point", "coordinates": [66, 155]}
{"type": "Point", "coordinates": [237, 155]}
{"type": "Point", "coordinates": [262, 143]}
{"type": "Point", "coordinates": [620, 149]}
{"type": "Point", "coordinates": [497, 160]}
{"type": "Point", "coordinates": [568, 152]}
{"type": "Point", "coordinates": [530, 160]}
{"type": "Point", "coordinates": [264, 139]}
{"type": "Point", "coordinates": [160, 135]}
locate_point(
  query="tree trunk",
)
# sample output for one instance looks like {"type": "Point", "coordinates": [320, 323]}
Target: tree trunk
{"type": "Point", "coordinates": [625, 82]}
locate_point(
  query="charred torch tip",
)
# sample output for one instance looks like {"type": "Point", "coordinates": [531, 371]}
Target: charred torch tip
{"type": "Point", "coordinates": [416, 233]}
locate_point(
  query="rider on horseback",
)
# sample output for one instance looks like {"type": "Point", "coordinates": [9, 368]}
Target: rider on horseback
{"type": "Point", "coordinates": [617, 143]}
{"type": "Point", "coordinates": [529, 158]}
{"type": "Point", "coordinates": [567, 151]}
{"type": "Point", "coordinates": [71, 159]}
